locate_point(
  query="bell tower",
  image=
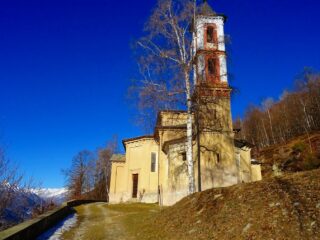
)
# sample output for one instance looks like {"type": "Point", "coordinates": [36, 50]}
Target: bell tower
{"type": "Point", "coordinates": [211, 76]}
{"type": "Point", "coordinates": [211, 102]}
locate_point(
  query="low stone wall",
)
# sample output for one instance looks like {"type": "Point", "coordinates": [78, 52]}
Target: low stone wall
{"type": "Point", "coordinates": [31, 229]}
{"type": "Point", "coordinates": [75, 203]}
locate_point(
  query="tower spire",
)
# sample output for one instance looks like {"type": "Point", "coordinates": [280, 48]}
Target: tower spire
{"type": "Point", "coordinates": [205, 9]}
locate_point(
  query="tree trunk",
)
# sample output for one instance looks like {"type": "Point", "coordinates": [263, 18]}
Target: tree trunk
{"type": "Point", "coordinates": [308, 123]}
{"type": "Point", "coordinates": [189, 136]}
{"type": "Point", "coordinates": [266, 135]}
{"type": "Point", "coordinates": [271, 128]}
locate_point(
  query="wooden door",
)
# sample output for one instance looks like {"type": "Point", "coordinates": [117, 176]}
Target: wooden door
{"type": "Point", "coordinates": [135, 178]}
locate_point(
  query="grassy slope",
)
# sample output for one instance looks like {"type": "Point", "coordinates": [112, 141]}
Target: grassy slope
{"type": "Point", "coordinates": [279, 153]}
{"type": "Point", "coordinates": [276, 208]}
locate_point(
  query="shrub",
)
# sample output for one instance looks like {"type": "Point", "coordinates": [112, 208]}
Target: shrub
{"type": "Point", "coordinates": [299, 147]}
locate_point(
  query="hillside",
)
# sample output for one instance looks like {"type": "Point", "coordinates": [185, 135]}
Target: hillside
{"type": "Point", "coordinates": [20, 208]}
{"type": "Point", "coordinates": [294, 155]}
{"type": "Point", "coordinates": [286, 207]}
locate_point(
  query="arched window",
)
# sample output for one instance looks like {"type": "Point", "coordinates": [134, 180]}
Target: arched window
{"type": "Point", "coordinates": [211, 37]}
{"type": "Point", "coordinates": [212, 69]}
{"type": "Point", "coordinates": [212, 66]}
{"type": "Point", "coordinates": [210, 34]}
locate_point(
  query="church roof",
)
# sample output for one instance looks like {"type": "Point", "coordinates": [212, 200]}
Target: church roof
{"type": "Point", "coordinates": [206, 9]}
{"type": "Point", "coordinates": [124, 141]}
{"type": "Point", "coordinates": [255, 162]}
{"type": "Point", "coordinates": [138, 138]}
{"type": "Point", "coordinates": [118, 158]}
{"type": "Point", "coordinates": [240, 143]}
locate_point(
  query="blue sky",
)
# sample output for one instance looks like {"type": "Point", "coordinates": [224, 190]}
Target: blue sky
{"type": "Point", "coordinates": [65, 67]}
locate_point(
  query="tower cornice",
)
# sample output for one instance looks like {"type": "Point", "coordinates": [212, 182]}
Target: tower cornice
{"type": "Point", "coordinates": [209, 17]}
{"type": "Point", "coordinates": [213, 90]}
{"type": "Point", "coordinates": [210, 52]}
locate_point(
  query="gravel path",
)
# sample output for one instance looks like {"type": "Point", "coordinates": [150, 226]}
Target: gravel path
{"type": "Point", "coordinates": [99, 221]}
{"type": "Point", "coordinates": [96, 222]}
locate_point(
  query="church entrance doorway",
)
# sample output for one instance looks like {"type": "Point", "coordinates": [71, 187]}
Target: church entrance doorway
{"type": "Point", "coordinates": [135, 178]}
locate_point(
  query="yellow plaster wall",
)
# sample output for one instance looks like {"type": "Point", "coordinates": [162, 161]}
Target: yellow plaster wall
{"type": "Point", "coordinates": [173, 118]}
{"type": "Point", "coordinates": [245, 165]}
{"type": "Point", "coordinates": [216, 173]}
{"type": "Point", "coordinates": [138, 161]}
{"type": "Point", "coordinates": [256, 173]}
{"type": "Point", "coordinates": [118, 188]}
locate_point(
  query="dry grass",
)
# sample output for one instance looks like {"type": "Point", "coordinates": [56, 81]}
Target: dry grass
{"type": "Point", "coordinates": [277, 208]}
{"type": "Point", "coordinates": [280, 153]}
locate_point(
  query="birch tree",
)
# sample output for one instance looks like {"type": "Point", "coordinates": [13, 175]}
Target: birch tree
{"type": "Point", "coordinates": [165, 58]}
{"type": "Point", "coordinates": [267, 104]}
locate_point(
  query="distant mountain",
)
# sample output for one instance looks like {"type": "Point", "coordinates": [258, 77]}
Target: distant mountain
{"type": "Point", "coordinates": [20, 208]}
{"type": "Point", "coordinates": [56, 195]}
{"type": "Point", "coordinates": [24, 203]}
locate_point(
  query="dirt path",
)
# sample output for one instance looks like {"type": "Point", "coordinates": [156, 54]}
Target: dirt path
{"type": "Point", "coordinates": [99, 221]}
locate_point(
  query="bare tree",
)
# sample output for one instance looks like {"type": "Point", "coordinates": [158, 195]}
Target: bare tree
{"type": "Point", "coordinates": [267, 104]}
{"type": "Point", "coordinates": [16, 191]}
{"type": "Point", "coordinates": [165, 57]}
{"type": "Point", "coordinates": [296, 113]}
{"type": "Point", "coordinates": [80, 176]}
{"type": "Point", "coordinates": [89, 174]}
{"type": "Point", "coordinates": [103, 169]}
{"type": "Point", "coordinates": [10, 180]}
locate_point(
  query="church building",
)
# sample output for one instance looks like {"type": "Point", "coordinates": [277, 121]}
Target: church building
{"type": "Point", "coordinates": [154, 168]}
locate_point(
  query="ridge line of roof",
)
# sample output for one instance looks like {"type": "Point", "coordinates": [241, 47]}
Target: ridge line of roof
{"type": "Point", "coordinates": [137, 138]}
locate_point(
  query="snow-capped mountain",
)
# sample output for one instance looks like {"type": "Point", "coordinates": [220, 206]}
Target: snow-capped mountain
{"type": "Point", "coordinates": [24, 203]}
{"type": "Point", "coordinates": [20, 206]}
{"type": "Point", "coordinates": [56, 195]}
